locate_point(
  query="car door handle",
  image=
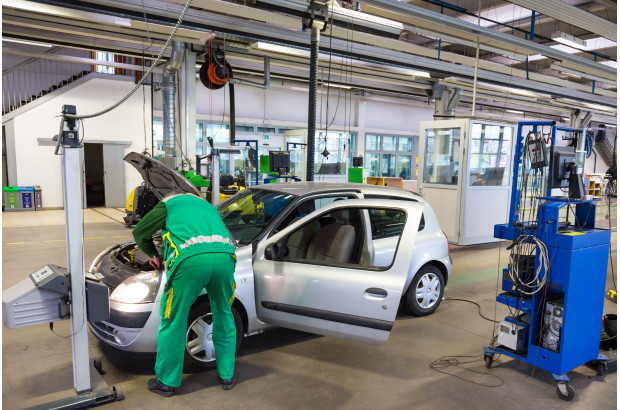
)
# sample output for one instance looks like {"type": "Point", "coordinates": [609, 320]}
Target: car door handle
{"type": "Point", "coordinates": [376, 292]}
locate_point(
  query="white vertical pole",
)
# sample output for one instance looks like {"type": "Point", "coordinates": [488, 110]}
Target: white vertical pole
{"type": "Point", "coordinates": [72, 192]}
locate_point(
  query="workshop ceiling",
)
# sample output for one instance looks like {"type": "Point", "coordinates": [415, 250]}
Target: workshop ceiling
{"type": "Point", "coordinates": [388, 48]}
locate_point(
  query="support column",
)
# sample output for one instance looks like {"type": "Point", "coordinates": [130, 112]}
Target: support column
{"type": "Point", "coordinates": [187, 110]}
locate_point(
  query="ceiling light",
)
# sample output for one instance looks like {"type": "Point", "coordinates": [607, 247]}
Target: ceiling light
{"type": "Point", "coordinates": [30, 43]}
{"type": "Point", "coordinates": [515, 111]}
{"type": "Point", "coordinates": [346, 87]}
{"type": "Point", "coordinates": [417, 73]}
{"type": "Point", "coordinates": [611, 125]}
{"type": "Point", "coordinates": [280, 49]}
{"type": "Point", "coordinates": [568, 40]}
{"type": "Point", "coordinates": [357, 17]}
{"type": "Point", "coordinates": [522, 92]}
{"type": "Point", "coordinates": [598, 107]}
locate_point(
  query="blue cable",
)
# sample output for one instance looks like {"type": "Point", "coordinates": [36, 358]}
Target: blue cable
{"type": "Point", "coordinates": [589, 144]}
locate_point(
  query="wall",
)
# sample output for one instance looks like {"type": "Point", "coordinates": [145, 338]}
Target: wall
{"type": "Point", "coordinates": [36, 163]}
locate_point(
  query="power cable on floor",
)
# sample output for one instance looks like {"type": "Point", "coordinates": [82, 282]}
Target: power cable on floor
{"type": "Point", "coordinates": [445, 362]}
{"type": "Point", "coordinates": [479, 308]}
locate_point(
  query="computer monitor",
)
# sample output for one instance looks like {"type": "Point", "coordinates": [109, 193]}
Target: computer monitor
{"type": "Point", "coordinates": [560, 162]}
{"type": "Point", "coordinates": [280, 162]}
{"type": "Point", "coordinates": [358, 162]}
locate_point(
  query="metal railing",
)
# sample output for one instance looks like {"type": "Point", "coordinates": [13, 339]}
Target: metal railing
{"type": "Point", "coordinates": [35, 77]}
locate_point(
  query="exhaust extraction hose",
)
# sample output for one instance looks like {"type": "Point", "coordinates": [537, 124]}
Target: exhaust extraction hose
{"type": "Point", "coordinates": [314, 67]}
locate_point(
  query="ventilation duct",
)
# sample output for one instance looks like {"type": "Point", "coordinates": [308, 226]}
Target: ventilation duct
{"type": "Point", "coordinates": [168, 96]}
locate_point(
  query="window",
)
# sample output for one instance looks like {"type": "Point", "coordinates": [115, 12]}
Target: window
{"type": "Point", "coordinates": [265, 130]}
{"type": "Point", "coordinates": [249, 212]}
{"type": "Point", "coordinates": [334, 144]}
{"type": "Point", "coordinates": [337, 238]}
{"type": "Point", "coordinates": [488, 156]}
{"type": "Point", "coordinates": [107, 57]}
{"type": "Point", "coordinates": [390, 156]}
{"type": "Point", "coordinates": [441, 156]}
{"type": "Point", "coordinates": [385, 223]}
{"type": "Point", "coordinates": [352, 147]}
{"type": "Point", "coordinates": [158, 137]}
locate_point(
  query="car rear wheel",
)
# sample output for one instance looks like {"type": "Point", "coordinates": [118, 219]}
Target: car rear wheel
{"type": "Point", "coordinates": [425, 292]}
{"type": "Point", "coordinates": [199, 349]}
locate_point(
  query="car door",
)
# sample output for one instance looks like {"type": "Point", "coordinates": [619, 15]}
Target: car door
{"type": "Point", "coordinates": [351, 299]}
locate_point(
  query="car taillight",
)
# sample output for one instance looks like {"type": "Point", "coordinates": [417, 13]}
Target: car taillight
{"type": "Point", "coordinates": [447, 243]}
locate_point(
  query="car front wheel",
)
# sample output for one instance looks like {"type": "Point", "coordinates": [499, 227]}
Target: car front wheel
{"type": "Point", "coordinates": [199, 348]}
{"type": "Point", "coordinates": [425, 292]}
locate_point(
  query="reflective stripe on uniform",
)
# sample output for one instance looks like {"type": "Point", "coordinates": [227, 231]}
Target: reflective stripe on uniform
{"type": "Point", "coordinates": [206, 239]}
{"type": "Point", "coordinates": [168, 305]}
{"type": "Point", "coordinates": [233, 295]}
{"type": "Point", "coordinates": [176, 251]}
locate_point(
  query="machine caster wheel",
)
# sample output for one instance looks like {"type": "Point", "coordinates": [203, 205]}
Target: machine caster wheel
{"type": "Point", "coordinates": [98, 366]}
{"type": "Point", "coordinates": [118, 393]}
{"type": "Point", "coordinates": [488, 360]}
{"type": "Point", "coordinates": [602, 368]}
{"type": "Point", "coordinates": [565, 391]}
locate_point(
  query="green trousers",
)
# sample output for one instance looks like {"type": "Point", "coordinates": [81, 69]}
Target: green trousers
{"type": "Point", "coordinates": [215, 272]}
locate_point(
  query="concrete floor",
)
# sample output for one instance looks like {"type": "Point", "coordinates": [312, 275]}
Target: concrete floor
{"type": "Point", "coordinates": [285, 369]}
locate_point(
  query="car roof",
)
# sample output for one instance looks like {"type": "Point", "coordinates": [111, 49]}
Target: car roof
{"type": "Point", "coordinates": [309, 188]}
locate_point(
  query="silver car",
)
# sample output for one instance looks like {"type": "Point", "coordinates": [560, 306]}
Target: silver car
{"type": "Point", "coordinates": [326, 258]}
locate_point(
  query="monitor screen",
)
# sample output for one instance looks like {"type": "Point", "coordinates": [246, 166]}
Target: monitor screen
{"type": "Point", "coordinates": [560, 160]}
{"type": "Point", "coordinates": [279, 160]}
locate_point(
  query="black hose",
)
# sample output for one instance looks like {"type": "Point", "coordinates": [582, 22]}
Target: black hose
{"type": "Point", "coordinates": [231, 91]}
{"type": "Point", "coordinates": [314, 68]}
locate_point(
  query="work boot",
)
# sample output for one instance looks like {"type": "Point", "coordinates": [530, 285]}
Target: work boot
{"type": "Point", "coordinates": [228, 384]}
{"type": "Point", "coordinates": [158, 387]}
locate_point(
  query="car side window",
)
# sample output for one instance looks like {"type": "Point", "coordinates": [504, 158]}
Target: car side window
{"type": "Point", "coordinates": [386, 223]}
{"type": "Point", "coordinates": [308, 206]}
{"type": "Point", "coordinates": [336, 238]}
{"type": "Point", "coordinates": [381, 226]}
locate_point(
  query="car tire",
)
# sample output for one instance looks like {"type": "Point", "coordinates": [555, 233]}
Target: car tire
{"type": "Point", "coordinates": [425, 291]}
{"type": "Point", "coordinates": [199, 351]}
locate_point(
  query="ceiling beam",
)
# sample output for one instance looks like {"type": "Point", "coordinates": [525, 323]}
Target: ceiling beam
{"type": "Point", "coordinates": [560, 10]}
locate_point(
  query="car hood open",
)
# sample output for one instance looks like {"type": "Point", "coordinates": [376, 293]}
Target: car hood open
{"type": "Point", "coordinates": [159, 177]}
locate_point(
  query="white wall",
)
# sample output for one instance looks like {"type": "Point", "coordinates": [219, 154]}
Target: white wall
{"type": "Point", "coordinates": [36, 163]}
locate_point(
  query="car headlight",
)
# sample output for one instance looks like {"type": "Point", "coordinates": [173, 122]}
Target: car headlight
{"type": "Point", "coordinates": [140, 288]}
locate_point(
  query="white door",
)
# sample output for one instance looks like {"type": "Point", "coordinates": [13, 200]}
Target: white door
{"type": "Point", "coordinates": [332, 287]}
{"type": "Point", "coordinates": [295, 142]}
{"type": "Point", "coordinates": [487, 181]}
{"type": "Point", "coordinates": [114, 175]}
{"type": "Point", "coordinates": [441, 152]}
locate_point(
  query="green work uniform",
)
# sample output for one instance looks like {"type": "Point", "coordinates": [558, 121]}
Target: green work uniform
{"type": "Point", "coordinates": [198, 253]}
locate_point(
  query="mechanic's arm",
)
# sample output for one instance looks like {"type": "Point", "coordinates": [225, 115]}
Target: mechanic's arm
{"type": "Point", "coordinates": [144, 230]}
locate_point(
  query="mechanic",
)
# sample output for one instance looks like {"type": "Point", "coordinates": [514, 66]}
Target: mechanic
{"type": "Point", "coordinates": [198, 254]}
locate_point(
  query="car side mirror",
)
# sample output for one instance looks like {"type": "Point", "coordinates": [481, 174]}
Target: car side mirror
{"type": "Point", "coordinates": [276, 251]}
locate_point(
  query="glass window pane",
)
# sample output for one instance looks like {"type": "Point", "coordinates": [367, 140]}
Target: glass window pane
{"type": "Point", "coordinates": [243, 128]}
{"type": "Point", "coordinates": [404, 144]}
{"type": "Point", "coordinates": [199, 132]}
{"type": "Point", "coordinates": [372, 142]}
{"type": "Point", "coordinates": [353, 142]}
{"type": "Point", "coordinates": [441, 156]}
{"type": "Point", "coordinates": [199, 149]}
{"type": "Point", "coordinates": [388, 165]}
{"type": "Point", "coordinates": [333, 143]}
{"type": "Point", "coordinates": [389, 144]}
{"type": "Point", "coordinates": [489, 156]}
{"type": "Point", "coordinates": [404, 166]}
{"type": "Point", "coordinates": [266, 130]}
{"type": "Point", "coordinates": [372, 163]}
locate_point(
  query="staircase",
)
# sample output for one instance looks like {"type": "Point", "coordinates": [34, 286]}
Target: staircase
{"type": "Point", "coordinates": [604, 142]}
{"type": "Point", "coordinates": [33, 78]}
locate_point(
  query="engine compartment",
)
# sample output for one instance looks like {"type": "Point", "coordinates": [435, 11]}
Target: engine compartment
{"type": "Point", "coordinates": [123, 262]}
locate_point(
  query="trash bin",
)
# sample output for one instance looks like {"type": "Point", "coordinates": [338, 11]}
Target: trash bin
{"type": "Point", "coordinates": [12, 199]}
{"type": "Point", "coordinates": [38, 198]}
{"type": "Point", "coordinates": [27, 196]}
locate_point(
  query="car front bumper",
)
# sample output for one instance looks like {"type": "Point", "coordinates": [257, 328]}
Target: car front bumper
{"type": "Point", "coordinates": [131, 327]}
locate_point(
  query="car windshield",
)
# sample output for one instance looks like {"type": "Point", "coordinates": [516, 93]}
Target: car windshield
{"type": "Point", "coordinates": [247, 213]}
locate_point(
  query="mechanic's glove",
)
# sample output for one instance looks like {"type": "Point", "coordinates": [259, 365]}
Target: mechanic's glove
{"type": "Point", "coordinates": [156, 261]}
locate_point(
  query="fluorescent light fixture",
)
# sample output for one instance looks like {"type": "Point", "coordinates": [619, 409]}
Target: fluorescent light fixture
{"type": "Point", "coordinates": [611, 125]}
{"type": "Point", "coordinates": [597, 43]}
{"type": "Point", "coordinates": [515, 112]}
{"type": "Point", "coordinates": [579, 74]}
{"type": "Point", "coordinates": [522, 92]}
{"type": "Point", "coordinates": [30, 43]}
{"type": "Point", "coordinates": [357, 17]}
{"type": "Point", "coordinates": [598, 107]}
{"type": "Point", "coordinates": [281, 49]}
{"type": "Point", "coordinates": [417, 73]}
{"type": "Point", "coordinates": [326, 84]}
{"type": "Point", "coordinates": [568, 40]}
{"type": "Point", "coordinates": [566, 119]}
